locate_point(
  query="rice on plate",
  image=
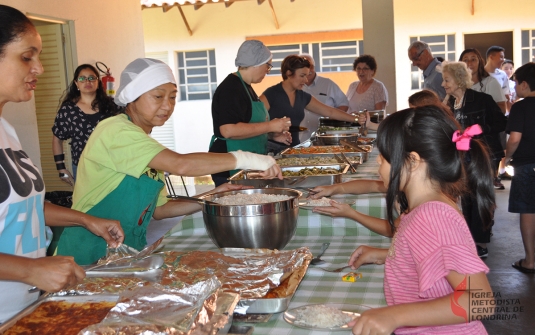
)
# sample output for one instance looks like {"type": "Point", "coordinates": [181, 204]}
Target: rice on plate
{"type": "Point", "coordinates": [321, 316]}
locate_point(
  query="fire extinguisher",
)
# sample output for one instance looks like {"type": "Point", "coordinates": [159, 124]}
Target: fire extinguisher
{"type": "Point", "coordinates": [107, 80]}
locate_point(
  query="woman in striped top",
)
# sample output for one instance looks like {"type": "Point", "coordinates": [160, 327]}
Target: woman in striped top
{"type": "Point", "coordinates": [432, 271]}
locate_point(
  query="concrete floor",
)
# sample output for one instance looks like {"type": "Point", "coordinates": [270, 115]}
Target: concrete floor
{"type": "Point", "coordinates": [514, 290]}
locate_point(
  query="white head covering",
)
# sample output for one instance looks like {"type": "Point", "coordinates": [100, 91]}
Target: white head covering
{"type": "Point", "coordinates": [140, 76]}
{"type": "Point", "coordinates": [252, 53]}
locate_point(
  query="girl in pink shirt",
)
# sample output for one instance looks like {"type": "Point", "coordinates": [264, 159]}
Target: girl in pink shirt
{"type": "Point", "coordinates": [432, 271]}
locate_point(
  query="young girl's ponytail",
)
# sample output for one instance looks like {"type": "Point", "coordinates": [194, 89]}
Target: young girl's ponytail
{"type": "Point", "coordinates": [479, 175]}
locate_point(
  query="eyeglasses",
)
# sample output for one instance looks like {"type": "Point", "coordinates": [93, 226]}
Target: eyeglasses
{"type": "Point", "coordinates": [90, 78]}
{"type": "Point", "coordinates": [269, 66]}
{"type": "Point", "coordinates": [417, 56]}
{"type": "Point", "coordinates": [359, 69]}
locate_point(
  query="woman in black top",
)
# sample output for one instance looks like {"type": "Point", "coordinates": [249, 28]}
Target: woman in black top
{"type": "Point", "coordinates": [83, 105]}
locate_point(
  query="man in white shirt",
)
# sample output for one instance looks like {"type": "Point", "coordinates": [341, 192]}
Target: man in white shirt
{"type": "Point", "coordinates": [495, 58]}
{"type": "Point", "coordinates": [326, 91]}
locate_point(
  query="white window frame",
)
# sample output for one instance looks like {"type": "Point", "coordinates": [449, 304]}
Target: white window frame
{"type": "Point", "coordinates": [186, 77]}
{"type": "Point", "coordinates": [527, 45]}
{"type": "Point", "coordinates": [320, 51]}
{"type": "Point", "coordinates": [448, 53]}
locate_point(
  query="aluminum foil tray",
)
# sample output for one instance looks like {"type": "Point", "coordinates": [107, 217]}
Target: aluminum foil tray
{"type": "Point", "coordinates": [363, 153]}
{"type": "Point", "coordinates": [266, 305]}
{"type": "Point", "coordinates": [251, 178]}
{"type": "Point", "coordinates": [45, 298]}
{"type": "Point", "coordinates": [354, 157]}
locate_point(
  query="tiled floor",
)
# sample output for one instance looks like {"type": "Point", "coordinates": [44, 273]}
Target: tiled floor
{"type": "Point", "coordinates": [515, 290]}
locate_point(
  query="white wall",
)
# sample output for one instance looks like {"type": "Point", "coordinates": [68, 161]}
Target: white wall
{"type": "Point", "coordinates": [224, 29]}
{"type": "Point", "coordinates": [433, 17]}
{"type": "Point", "coordinates": [107, 31]}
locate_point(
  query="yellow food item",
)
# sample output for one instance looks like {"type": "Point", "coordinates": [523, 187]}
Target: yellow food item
{"type": "Point", "coordinates": [352, 277]}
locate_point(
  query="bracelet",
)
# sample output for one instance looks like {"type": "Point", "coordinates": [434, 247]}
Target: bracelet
{"type": "Point", "coordinates": [60, 166]}
{"type": "Point", "coordinates": [59, 158]}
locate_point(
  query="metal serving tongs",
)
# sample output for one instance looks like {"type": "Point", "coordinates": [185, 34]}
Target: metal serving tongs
{"type": "Point", "coordinates": [353, 169]}
{"type": "Point", "coordinates": [363, 130]}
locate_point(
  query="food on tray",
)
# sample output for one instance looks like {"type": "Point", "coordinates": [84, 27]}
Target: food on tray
{"type": "Point", "coordinates": [365, 140]}
{"type": "Point", "coordinates": [323, 202]}
{"type": "Point", "coordinates": [287, 286]}
{"type": "Point", "coordinates": [310, 172]}
{"type": "Point", "coordinates": [321, 316]}
{"type": "Point", "coordinates": [328, 128]}
{"type": "Point", "coordinates": [292, 161]}
{"type": "Point", "coordinates": [61, 317]}
{"type": "Point", "coordinates": [250, 199]}
{"type": "Point", "coordinates": [318, 150]}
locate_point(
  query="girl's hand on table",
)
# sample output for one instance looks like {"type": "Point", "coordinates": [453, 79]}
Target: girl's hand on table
{"type": "Point", "coordinates": [336, 210]}
{"type": "Point", "coordinates": [376, 321]}
{"type": "Point", "coordinates": [322, 191]}
{"type": "Point", "coordinates": [109, 230]}
{"type": "Point", "coordinates": [55, 273]}
{"type": "Point", "coordinates": [367, 255]}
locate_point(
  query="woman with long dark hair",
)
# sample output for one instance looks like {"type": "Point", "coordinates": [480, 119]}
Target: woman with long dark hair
{"type": "Point", "coordinates": [23, 211]}
{"type": "Point", "coordinates": [83, 105]}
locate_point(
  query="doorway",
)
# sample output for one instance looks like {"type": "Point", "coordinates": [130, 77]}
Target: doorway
{"type": "Point", "coordinates": [483, 41]}
{"type": "Point", "coordinates": [57, 59]}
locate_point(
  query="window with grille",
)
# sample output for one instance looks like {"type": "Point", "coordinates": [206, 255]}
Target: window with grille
{"type": "Point", "coordinates": [329, 56]}
{"type": "Point", "coordinates": [196, 75]}
{"type": "Point", "coordinates": [441, 46]}
{"type": "Point", "coordinates": [528, 46]}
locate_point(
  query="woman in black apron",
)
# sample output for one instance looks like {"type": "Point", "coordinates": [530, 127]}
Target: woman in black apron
{"type": "Point", "coordinates": [241, 122]}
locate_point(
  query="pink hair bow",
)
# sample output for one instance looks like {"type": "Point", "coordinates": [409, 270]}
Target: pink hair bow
{"type": "Point", "coordinates": [463, 140]}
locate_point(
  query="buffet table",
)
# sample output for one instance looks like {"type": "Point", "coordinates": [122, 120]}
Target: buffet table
{"type": "Point", "coordinates": [314, 229]}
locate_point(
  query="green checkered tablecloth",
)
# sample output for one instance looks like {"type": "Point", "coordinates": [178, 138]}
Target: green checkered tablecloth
{"type": "Point", "coordinates": [314, 229]}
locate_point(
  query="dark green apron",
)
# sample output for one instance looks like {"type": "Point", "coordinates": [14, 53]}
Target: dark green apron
{"type": "Point", "coordinates": [256, 144]}
{"type": "Point", "coordinates": [132, 203]}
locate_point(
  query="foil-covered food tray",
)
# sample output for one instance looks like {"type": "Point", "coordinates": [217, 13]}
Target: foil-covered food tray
{"type": "Point", "coordinates": [275, 301]}
{"type": "Point", "coordinates": [46, 298]}
{"type": "Point", "coordinates": [252, 178]}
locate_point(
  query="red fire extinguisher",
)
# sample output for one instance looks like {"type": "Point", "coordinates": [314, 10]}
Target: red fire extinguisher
{"type": "Point", "coordinates": [107, 80]}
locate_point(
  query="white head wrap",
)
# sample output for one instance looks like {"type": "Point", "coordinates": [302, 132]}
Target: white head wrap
{"type": "Point", "coordinates": [141, 76]}
{"type": "Point", "coordinates": [252, 53]}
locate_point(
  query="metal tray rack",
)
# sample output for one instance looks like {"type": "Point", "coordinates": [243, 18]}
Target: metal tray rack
{"type": "Point", "coordinates": [251, 178]}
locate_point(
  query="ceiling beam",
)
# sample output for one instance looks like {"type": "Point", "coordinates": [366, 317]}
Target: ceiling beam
{"type": "Point", "coordinates": [473, 7]}
{"type": "Point", "coordinates": [228, 3]}
{"type": "Point", "coordinates": [260, 1]}
{"type": "Point", "coordinates": [197, 5]}
{"type": "Point", "coordinates": [166, 8]}
{"type": "Point", "coordinates": [274, 14]}
{"type": "Point", "coordinates": [185, 20]}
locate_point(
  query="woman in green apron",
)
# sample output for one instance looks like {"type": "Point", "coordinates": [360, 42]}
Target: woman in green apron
{"type": "Point", "coordinates": [121, 168]}
{"type": "Point", "coordinates": [241, 122]}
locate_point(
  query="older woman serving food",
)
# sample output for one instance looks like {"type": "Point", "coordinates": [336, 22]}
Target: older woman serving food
{"type": "Point", "coordinates": [121, 169]}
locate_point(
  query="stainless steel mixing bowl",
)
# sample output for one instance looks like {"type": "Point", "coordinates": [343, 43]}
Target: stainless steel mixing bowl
{"type": "Point", "coordinates": [334, 139]}
{"type": "Point", "coordinates": [269, 225]}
